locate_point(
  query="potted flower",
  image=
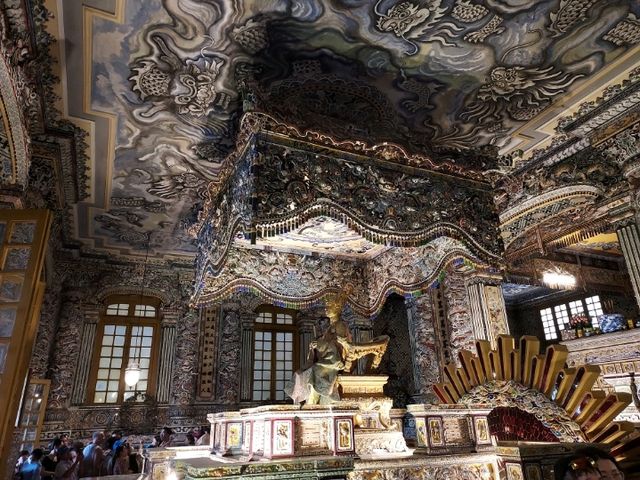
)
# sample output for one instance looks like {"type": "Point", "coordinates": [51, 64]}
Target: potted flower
{"type": "Point", "coordinates": [579, 322]}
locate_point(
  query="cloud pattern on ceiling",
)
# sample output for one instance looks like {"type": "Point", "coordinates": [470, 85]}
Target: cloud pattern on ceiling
{"type": "Point", "coordinates": [441, 73]}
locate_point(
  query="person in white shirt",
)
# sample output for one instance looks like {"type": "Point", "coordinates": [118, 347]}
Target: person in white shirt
{"type": "Point", "coordinates": [204, 437]}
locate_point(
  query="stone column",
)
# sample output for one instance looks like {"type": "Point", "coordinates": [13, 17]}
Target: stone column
{"type": "Point", "coordinates": [185, 359]}
{"type": "Point", "coordinates": [629, 238]}
{"type": "Point", "coordinates": [305, 337]}
{"type": "Point", "coordinates": [40, 363]}
{"type": "Point", "coordinates": [247, 322]}
{"type": "Point", "coordinates": [426, 369]}
{"type": "Point", "coordinates": [168, 337]}
{"type": "Point", "coordinates": [66, 351]}
{"type": "Point", "coordinates": [487, 308]}
{"type": "Point", "coordinates": [362, 333]}
{"type": "Point", "coordinates": [459, 328]}
{"type": "Point", "coordinates": [87, 341]}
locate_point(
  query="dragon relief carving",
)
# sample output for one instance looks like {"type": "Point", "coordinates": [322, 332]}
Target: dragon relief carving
{"type": "Point", "coordinates": [412, 22]}
{"type": "Point", "coordinates": [520, 92]}
{"type": "Point", "coordinates": [192, 86]}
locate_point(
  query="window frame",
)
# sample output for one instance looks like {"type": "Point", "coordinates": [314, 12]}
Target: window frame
{"type": "Point", "coordinates": [566, 304]}
{"type": "Point", "coordinates": [129, 321]}
{"type": "Point", "coordinates": [274, 328]}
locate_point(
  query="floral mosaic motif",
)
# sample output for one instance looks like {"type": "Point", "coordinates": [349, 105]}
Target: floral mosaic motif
{"type": "Point", "coordinates": [22, 232]}
{"type": "Point", "coordinates": [515, 395]}
{"type": "Point", "coordinates": [17, 258]}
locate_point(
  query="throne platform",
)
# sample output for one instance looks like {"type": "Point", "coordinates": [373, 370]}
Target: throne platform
{"type": "Point", "coordinates": [360, 425]}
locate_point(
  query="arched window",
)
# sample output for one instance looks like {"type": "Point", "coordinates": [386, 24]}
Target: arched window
{"type": "Point", "coordinates": [128, 331]}
{"type": "Point", "coordinates": [275, 352]}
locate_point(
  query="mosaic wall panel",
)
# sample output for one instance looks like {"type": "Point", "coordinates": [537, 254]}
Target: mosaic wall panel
{"type": "Point", "coordinates": [185, 370]}
{"type": "Point", "coordinates": [460, 329]}
{"type": "Point", "coordinates": [426, 363]}
{"type": "Point", "coordinates": [228, 358]}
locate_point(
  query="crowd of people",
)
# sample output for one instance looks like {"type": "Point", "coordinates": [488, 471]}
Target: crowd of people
{"type": "Point", "coordinates": [103, 455]}
{"type": "Point", "coordinates": [588, 464]}
{"type": "Point", "coordinates": [113, 455]}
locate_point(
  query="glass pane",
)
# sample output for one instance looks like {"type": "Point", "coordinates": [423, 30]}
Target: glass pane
{"type": "Point", "coordinates": [548, 324]}
{"type": "Point", "coordinates": [99, 397]}
{"type": "Point", "coordinates": [121, 330]}
{"type": "Point", "coordinates": [113, 385]}
{"type": "Point", "coordinates": [105, 352]}
{"type": "Point", "coordinates": [11, 289]}
{"type": "Point", "coordinates": [114, 375]}
{"type": "Point", "coordinates": [109, 329]}
{"type": "Point", "coordinates": [103, 374]}
{"type": "Point", "coordinates": [101, 386]}
{"type": "Point", "coordinates": [116, 363]}
{"type": "Point", "coordinates": [267, 336]}
{"type": "Point", "coordinates": [22, 232]}
{"type": "Point", "coordinates": [17, 258]}
{"type": "Point", "coordinates": [112, 397]}
{"type": "Point", "coordinates": [576, 307]}
{"type": "Point", "coordinates": [7, 321]}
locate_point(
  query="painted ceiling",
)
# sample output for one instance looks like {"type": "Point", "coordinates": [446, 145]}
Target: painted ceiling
{"type": "Point", "coordinates": [606, 244]}
{"type": "Point", "coordinates": [160, 86]}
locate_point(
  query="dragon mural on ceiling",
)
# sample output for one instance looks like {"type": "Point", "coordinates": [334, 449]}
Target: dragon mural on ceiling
{"type": "Point", "coordinates": [429, 74]}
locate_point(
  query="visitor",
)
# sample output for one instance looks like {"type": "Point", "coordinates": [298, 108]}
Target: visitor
{"type": "Point", "coordinates": [32, 468]}
{"type": "Point", "coordinates": [605, 463]}
{"type": "Point", "coordinates": [191, 440]}
{"type": "Point", "coordinates": [204, 438]}
{"type": "Point", "coordinates": [50, 461]}
{"type": "Point", "coordinates": [166, 437]}
{"type": "Point", "coordinates": [111, 444]}
{"type": "Point", "coordinates": [576, 467]}
{"type": "Point", "coordinates": [68, 464]}
{"type": "Point", "coordinates": [24, 456]}
{"type": "Point", "coordinates": [119, 463]}
{"type": "Point", "coordinates": [93, 457]}
{"type": "Point", "coordinates": [157, 440]}
{"type": "Point", "coordinates": [66, 440]}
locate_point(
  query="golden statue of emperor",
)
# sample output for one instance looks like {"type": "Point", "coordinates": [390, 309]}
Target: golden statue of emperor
{"type": "Point", "coordinates": [332, 353]}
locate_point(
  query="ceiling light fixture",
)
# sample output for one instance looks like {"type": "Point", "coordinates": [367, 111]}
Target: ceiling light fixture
{"type": "Point", "coordinates": [132, 372]}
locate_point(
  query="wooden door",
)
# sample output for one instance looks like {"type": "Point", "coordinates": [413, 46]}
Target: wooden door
{"type": "Point", "coordinates": [23, 241]}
